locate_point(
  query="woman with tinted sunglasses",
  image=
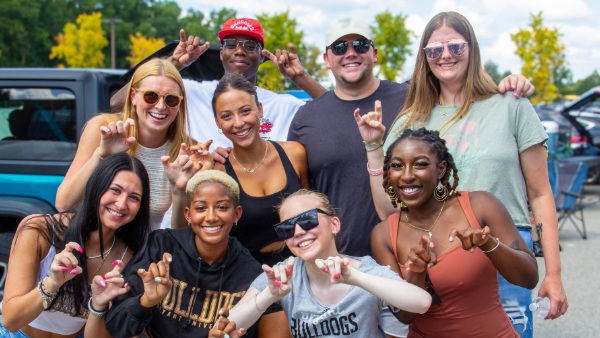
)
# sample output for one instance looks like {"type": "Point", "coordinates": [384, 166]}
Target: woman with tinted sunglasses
{"type": "Point", "coordinates": [151, 127]}
{"type": "Point", "coordinates": [452, 244]}
{"type": "Point", "coordinates": [496, 139]}
{"type": "Point", "coordinates": [323, 293]}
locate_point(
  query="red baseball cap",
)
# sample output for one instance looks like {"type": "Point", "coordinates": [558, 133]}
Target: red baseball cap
{"type": "Point", "coordinates": [243, 26]}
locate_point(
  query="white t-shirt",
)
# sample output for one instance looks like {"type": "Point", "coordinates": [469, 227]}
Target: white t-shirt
{"type": "Point", "coordinates": [278, 112]}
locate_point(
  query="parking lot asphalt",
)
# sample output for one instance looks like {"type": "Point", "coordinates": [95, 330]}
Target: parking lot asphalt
{"type": "Point", "coordinates": [580, 276]}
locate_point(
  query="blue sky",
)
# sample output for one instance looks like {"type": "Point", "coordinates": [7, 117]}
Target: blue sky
{"type": "Point", "coordinates": [493, 21]}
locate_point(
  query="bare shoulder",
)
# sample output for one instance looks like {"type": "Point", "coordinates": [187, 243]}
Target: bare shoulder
{"type": "Point", "coordinates": [293, 148]}
{"type": "Point", "coordinates": [380, 233]}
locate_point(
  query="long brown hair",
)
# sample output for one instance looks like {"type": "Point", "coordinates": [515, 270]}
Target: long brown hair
{"type": "Point", "coordinates": [178, 130]}
{"type": "Point", "coordinates": [424, 91]}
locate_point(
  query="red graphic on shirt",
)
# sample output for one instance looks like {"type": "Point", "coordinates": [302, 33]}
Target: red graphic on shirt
{"type": "Point", "coordinates": [265, 127]}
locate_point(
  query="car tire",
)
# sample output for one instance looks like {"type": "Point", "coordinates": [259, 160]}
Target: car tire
{"type": "Point", "coordinates": [593, 175]}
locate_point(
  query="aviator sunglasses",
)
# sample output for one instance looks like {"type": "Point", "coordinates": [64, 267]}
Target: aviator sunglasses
{"type": "Point", "coordinates": [361, 46]}
{"type": "Point", "coordinates": [456, 47]}
{"type": "Point", "coordinates": [249, 45]}
{"type": "Point", "coordinates": [306, 220]}
{"type": "Point", "coordinates": [152, 97]}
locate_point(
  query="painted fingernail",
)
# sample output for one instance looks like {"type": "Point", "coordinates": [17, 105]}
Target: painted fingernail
{"type": "Point", "coordinates": [126, 285]}
{"type": "Point", "coordinates": [80, 249]}
{"type": "Point", "coordinates": [226, 336]}
{"type": "Point", "coordinates": [102, 283]}
{"type": "Point", "coordinates": [115, 262]}
{"type": "Point", "coordinates": [270, 270]}
{"type": "Point", "coordinates": [64, 268]}
{"type": "Point", "coordinates": [336, 276]}
{"type": "Point", "coordinates": [104, 278]}
{"type": "Point", "coordinates": [277, 283]}
{"type": "Point", "coordinates": [326, 270]}
{"type": "Point", "coordinates": [170, 259]}
{"type": "Point", "coordinates": [289, 271]}
{"type": "Point", "coordinates": [73, 271]}
{"type": "Point", "coordinates": [157, 279]}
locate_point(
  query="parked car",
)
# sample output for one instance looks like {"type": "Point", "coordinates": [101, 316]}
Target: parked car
{"type": "Point", "coordinates": [584, 115]}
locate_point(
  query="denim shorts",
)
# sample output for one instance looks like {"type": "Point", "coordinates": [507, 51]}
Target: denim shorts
{"type": "Point", "coordinates": [4, 333]}
{"type": "Point", "coordinates": [516, 299]}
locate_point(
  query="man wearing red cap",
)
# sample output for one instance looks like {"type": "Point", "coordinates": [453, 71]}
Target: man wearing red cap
{"type": "Point", "coordinates": [242, 50]}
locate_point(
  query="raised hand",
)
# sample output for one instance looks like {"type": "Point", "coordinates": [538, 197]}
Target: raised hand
{"type": "Point", "coordinates": [224, 328]}
{"type": "Point", "coordinates": [188, 50]}
{"type": "Point", "coordinates": [181, 170]}
{"type": "Point", "coordinates": [287, 62]}
{"type": "Point", "coordinates": [157, 283]}
{"type": "Point", "coordinates": [370, 126]}
{"type": "Point", "coordinates": [519, 84]}
{"type": "Point", "coordinates": [337, 268]}
{"type": "Point", "coordinates": [201, 156]}
{"type": "Point", "coordinates": [471, 238]}
{"type": "Point", "coordinates": [420, 256]}
{"type": "Point", "coordinates": [106, 288]}
{"type": "Point", "coordinates": [279, 277]}
{"type": "Point", "coordinates": [64, 267]}
{"type": "Point", "coordinates": [114, 139]}
{"type": "Point", "coordinates": [221, 154]}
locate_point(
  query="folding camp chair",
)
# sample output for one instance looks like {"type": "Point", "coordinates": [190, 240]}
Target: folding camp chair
{"type": "Point", "coordinates": [567, 179]}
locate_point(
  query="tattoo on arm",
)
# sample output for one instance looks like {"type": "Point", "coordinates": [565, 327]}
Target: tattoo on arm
{"type": "Point", "coordinates": [515, 245]}
{"type": "Point", "coordinates": [539, 229]}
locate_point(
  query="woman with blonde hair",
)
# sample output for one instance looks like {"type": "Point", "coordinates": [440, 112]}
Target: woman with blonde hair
{"type": "Point", "coordinates": [151, 127]}
{"type": "Point", "coordinates": [497, 141]}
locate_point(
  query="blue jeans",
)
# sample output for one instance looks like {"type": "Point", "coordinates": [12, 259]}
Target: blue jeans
{"type": "Point", "coordinates": [4, 333]}
{"type": "Point", "coordinates": [516, 299]}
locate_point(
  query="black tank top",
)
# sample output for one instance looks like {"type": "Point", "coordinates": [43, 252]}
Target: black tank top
{"type": "Point", "coordinates": [255, 229]}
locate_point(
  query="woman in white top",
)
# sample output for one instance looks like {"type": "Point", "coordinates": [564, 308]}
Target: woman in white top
{"type": "Point", "coordinates": [151, 125]}
{"type": "Point", "coordinates": [60, 277]}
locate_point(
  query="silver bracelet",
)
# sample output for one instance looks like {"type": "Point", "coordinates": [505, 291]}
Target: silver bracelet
{"type": "Point", "coordinates": [256, 303]}
{"type": "Point", "coordinates": [494, 248]}
{"type": "Point", "coordinates": [94, 312]}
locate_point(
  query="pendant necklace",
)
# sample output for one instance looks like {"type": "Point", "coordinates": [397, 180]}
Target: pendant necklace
{"type": "Point", "coordinates": [428, 231]}
{"type": "Point", "coordinates": [251, 171]}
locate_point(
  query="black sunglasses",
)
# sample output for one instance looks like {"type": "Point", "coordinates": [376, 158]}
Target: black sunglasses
{"type": "Point", "coordinates": [249, 45]}
{"type": "Point", "coordinates": [152, 97]}
{"type": "Point", "coordinates": [306, 220]}
{"type": "Point", "coordinates": [361, 46]}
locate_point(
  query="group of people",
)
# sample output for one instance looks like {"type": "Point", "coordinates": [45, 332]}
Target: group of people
{"type": "Point", "coordinates": [282, 231]}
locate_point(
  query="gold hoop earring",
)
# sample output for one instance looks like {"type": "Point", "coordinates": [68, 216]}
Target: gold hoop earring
{"type": "Point", "coordinates": [441, 192]}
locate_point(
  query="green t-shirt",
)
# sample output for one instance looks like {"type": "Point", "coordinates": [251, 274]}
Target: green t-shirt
{"type": "Point", "coordinates": [486, 144]}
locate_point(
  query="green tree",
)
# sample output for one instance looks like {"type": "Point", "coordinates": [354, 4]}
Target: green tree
{"type": "Point", "coordinates": [392, 39]}
{"type": "Point", "coordinates": [81, 44]}
{"type": "Point", "coordinates": [492, 69]}
{"type": "Point", "coordinates": [582, 86]}
{"type": "Point", "coordinates": [541, 51]}
{"type": "Point", "coordinates": [206, 27]}
{"type": "Point", "coordinates": [280, 31]}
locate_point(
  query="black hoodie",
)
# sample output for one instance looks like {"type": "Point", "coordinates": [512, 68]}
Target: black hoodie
{"type": "Point", "coordinates": [180, 314]}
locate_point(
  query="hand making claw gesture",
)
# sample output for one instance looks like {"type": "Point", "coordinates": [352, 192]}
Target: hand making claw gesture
{"type": "Point", "coordinates": [279, 277]}
{"type": "Point", "coordinates": [224, 328]}
{"type": "Point", "coordinates": [188, 50]}
{"type": "Point", "coordinates": [64, 267]}
{"type": "Point", "coordinates": [420, 256]}
{"type": "Point", "coordinates": [106, 288]}
{"type": "Point", "coordinates": [472, 238]}
{"type": "Point", "coordinates": [157, 283]}
{"type": "Point", "coordinates": [181, 170]}
{"type": "Point", "coordinates": [200, 155]}
{"type": "Point", "coordinates": [337, 268]}
{"type": "Point", "coordinates": [370, 126]}
{"type": "Point", "coordinates": [114, 138]}
{"type": "Point", "coordinates": [287, 62]}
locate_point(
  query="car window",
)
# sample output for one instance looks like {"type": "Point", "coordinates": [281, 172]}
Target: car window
{"type": "Point", "coordinates": [37, 124]}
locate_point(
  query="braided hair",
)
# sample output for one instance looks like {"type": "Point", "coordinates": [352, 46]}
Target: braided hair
{"type": "Point", "coordinates": [436, 144]}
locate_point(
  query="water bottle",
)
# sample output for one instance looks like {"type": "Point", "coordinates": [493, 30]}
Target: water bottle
{"type": "Point", "coordinates": [541, 306]}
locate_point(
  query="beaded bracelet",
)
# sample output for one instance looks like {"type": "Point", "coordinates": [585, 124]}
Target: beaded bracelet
{"type": "Point", "coordinates": [46, 292]}
{"type": "Point", "coordinates": [256, 303]}
{"type": "Point", "coordinates": [372, 144]}
{"type": "Point", "coordinates": [494, 248]}
{"type": "Point", "coordinates": [374, 172]}
{"type": "Point", "coordinates": [95, 312]}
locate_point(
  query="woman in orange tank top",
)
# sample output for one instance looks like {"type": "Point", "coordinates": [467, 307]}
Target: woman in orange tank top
{"type": "Point", "coordinates": [450, 243]}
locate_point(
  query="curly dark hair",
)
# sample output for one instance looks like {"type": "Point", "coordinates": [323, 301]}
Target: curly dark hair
{"type": "Point", "coordinates": [436, 144]}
